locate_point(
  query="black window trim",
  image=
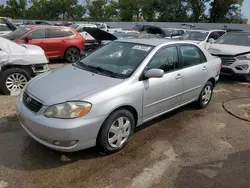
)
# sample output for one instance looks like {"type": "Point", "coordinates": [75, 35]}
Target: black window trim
{"type": "Point", "coordinates": [142, 78]}
{"type": "Point", "coordinates": [199, 51]}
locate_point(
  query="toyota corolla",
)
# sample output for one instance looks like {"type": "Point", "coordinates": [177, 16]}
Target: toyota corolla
{"type": "Point", "coordinates": [101, 99]}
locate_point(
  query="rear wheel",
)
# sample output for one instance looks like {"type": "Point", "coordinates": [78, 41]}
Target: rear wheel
{"type": "Point", "coordinates": [116, 131]}
{"type": "Point", "coordinates": [72, 55]}
{"type": "Point", "coordinates": [205, 95]}
{"type": "Point", "coordinates": [14, 78]}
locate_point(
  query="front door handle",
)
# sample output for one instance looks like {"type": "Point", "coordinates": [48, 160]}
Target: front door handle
{"type": "Point", "coordinates": [178, 77]}
{"type": "Point", "coordinates": [204, 68]}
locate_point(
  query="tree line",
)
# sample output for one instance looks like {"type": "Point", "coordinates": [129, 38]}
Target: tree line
{"type": "Point", "coordinates": [125, 10]}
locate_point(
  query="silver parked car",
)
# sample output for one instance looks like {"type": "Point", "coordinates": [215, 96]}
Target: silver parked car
{"type": "Point", "coordinates": [102, 98]}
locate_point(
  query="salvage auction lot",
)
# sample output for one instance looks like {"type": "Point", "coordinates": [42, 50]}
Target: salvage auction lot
{"type": "Point", "coordinates": [186, 148]}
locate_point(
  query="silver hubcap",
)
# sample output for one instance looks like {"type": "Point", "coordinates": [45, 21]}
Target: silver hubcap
{"type": "Point", "coordinates": [206, 95]}
{"type": "Point", "coordinates": [73, 54]}
{"type": "Point", "coordinates": [16, 81]}
{"type": "Point", "coordinates": [119, 132]}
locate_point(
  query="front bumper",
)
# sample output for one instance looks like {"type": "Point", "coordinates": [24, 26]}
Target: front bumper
{"type": "Point", "coordinates": [234, 69]}
{"type": "Point", "coordinates": [48, 130]}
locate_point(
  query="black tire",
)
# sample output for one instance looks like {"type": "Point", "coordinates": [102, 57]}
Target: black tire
{"type": "Point", "coordinates": [6, 73]}
{"type": "Point", "coordinates": [200, 103]}
{"type": "Point", "coordinates": [68, 57]}
{"type": "Point", "coordinates": [102, 140]}
{"type": "Point", "coordinates": [247, 77]}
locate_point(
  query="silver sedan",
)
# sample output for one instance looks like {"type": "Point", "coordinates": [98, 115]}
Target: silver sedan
{"type": "Point", "coordinates": [101, 99]}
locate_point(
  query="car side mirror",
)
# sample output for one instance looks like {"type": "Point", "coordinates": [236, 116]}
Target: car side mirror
{"type": "Point", "coordinates": [27, 39]}
{"type": "Point", "coordinates": [154, 73]}
{"type": "Point", "coordinates": [211, 40]}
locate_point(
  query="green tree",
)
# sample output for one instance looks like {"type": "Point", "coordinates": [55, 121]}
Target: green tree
{"type": "Point", "coordinates": [197, 7]}
{"type": "Point", "coordinates": [224, 10]}
{"type": "Point", "coordinates": [149, 10]}
{"type": "Point", "coordinates": [16, 8]}
{"type": "Point", "coordinates": [96, 9]}
{"type": "Point", "coordinates": [172, 10]}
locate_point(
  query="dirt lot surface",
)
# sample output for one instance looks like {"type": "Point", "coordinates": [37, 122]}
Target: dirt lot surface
{"type": "Point", "coordinates": [188, 148]}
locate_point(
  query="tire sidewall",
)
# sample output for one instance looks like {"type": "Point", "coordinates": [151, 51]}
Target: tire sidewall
{"type": "Point", "coordinates": [103, 135]}
{"type": "Point", "coordinates": [200, 103]}
{"type": "Point", "coordinates": [66, 54]}
{"type": "Point", "coordinates": [247, 77]}
{"type": "Point", "coordinates": [6, 73]}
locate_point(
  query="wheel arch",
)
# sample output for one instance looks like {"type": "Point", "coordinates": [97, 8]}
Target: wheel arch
{"type": "Point", "coordinates": [130, 108]}
{"type": "Point", "coordinates": [212, 80]}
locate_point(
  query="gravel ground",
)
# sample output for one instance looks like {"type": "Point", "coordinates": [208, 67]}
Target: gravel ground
{"type": "Point", "coordinates": [187, 148]}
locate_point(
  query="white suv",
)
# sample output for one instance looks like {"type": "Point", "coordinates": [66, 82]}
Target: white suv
{"type": "Point", "coordinates": [234, 50]}
{"type": "Point", "coordinates": [203, 37]}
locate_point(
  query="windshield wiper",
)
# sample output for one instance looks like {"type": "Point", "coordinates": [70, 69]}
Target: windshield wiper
{"type": "Point", "coordinates": [102, 70]}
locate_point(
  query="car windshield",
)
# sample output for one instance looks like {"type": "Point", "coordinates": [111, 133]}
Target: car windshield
{"type": "Point", "coordinates": [194, 35]}
{"type": "Point", "coordinates": [16, 34]}
{"type": "Point", "coordinates": [75, 26]}
{"type": "Point", "coordinates": [235, 39]}
{"type": "Point", "coordinates": [116, 59]}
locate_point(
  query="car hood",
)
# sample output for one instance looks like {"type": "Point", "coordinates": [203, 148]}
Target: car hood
{"type": "Point", "coordinates": [99, 34]}
{"type": "Point", "coordinates": [68, 83]}
{"type": "Point", "coordinates": [223, 49]}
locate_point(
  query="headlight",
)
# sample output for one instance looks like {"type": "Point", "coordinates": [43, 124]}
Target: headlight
{"type": "Point", "coordinates": [243, 57]}
{"type": "Point", "coordinates": [68, 110]}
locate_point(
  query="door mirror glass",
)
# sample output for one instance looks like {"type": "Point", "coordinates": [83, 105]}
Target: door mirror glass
{"type": "Point", "coordinates": [27, 39]}
{"type": "Point", "coordinates": [154, 73]}
{"type": "Point", "coordinates": [211, 40]}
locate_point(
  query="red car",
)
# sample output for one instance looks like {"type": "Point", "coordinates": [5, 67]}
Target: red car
{"type": "Point", "coordinates": [57, 41]}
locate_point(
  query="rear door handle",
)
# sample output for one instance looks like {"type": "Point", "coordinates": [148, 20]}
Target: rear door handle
{"type": "Point", "coordinates": [178, 77]}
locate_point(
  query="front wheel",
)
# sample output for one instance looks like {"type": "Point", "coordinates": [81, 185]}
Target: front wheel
{"type": "Point", "coordinates": [14, 78]}
{"type": "Point", "coordinates": [116, 131]}
{"type": "Point", "coordinates": [205, 95]}
{"type": "Point", "coordinates": [72, 55]}
{"type": "Point", "coordinates": [247, 77]}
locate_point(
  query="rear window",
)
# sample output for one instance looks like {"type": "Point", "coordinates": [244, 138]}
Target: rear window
{"type": "Point", "coordinates": [67, 32]}
{"type": "Point", "coordinates": [54, 33]}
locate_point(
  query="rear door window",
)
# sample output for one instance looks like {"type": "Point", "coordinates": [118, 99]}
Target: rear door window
{"type": "Point", "coordinates": [191, 55]}
{"type": "Point", "coordinates": [54, 33]}
{"type": "Point", "coordinates": [67, 32]}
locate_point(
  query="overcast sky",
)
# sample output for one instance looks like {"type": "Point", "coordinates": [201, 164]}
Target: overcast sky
{"type": "Point", "coordinates": [245, 8]}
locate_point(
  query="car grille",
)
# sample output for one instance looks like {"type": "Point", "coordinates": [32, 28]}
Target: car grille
{"type": "Point", "coordinates": [31, 103]}
{"type": "Point", "coordinates": [227, 60]}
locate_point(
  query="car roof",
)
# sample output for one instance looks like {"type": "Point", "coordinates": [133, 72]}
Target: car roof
{"type": "Point", "coordinates": [46, 26]}
{"type": "Point", "coordinates": [151, 41]}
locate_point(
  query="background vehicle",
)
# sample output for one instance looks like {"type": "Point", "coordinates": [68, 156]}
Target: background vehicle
{"type": "Point", "coordinates": [234, 50]}
{"type": "Point", "coordinates": [101, 37]}
{"type": "Point", "coordinates": [18, 63]}
{"type": "Point", "coordinates": [86, 35]}
{"type": "Point", "coordinates": [173, 32]}
{"type": "Point", "coordinates": [117, 90]}
{"type": "Point", "coordinates": [4, 30]}
{"type": "Point", "coordinates": [57, 41]}
{"type": "Point", "coordinates": [202, 37]}
{"type": "Point", "coordinates": [150, 29]}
